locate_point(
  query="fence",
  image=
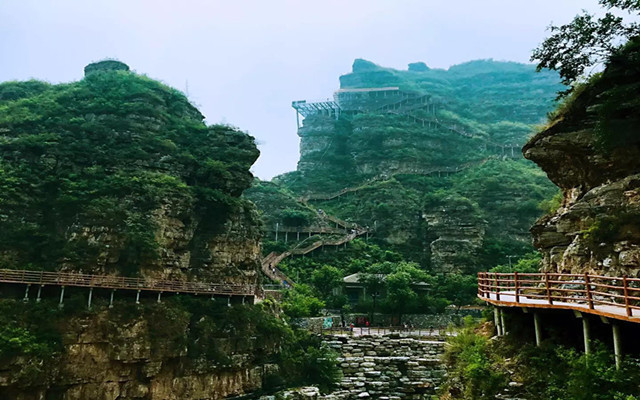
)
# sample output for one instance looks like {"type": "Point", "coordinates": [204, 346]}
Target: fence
{"type": "Point", "coordinates": [614, 295]}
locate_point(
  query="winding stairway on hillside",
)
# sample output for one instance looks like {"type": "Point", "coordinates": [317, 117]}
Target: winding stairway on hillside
{"type": "Point", "coordinates": [271, 261]}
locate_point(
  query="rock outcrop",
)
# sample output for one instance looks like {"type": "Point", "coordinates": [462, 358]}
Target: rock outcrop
{"type": "Point", "coordinates": [111, 357]}
{"type": "Point", "coordinates": [590, 150]}
{"type": "Point", "coordinates": [119, 174]}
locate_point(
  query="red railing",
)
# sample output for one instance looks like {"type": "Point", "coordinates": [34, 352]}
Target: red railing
{"type": "Point", "coordinates": [600, 294]}
{"type": "Point", "coordinates": [46, 278]}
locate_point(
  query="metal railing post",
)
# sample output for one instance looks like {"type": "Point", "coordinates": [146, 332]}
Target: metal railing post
{"type": "Point", "coordinates": [546, 282]}
{"type": "Point", "coordinates": [626, 296]}
{"type": "Point", "coordinates": [515, 281]}
{"type": "Point", "coordinates": [588, 288]}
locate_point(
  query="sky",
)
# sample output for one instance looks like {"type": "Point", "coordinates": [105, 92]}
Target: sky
{"type": "Point", "coordinates": [242, 62]}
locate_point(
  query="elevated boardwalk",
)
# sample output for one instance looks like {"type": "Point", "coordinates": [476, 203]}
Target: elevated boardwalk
{"type": "Point", "coordinates": [606, 296]}
{"type": "Point", "coordinates": [66, 279]}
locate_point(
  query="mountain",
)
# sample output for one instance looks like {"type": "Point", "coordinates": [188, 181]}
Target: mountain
{"type": "Point", "coordinates": [429, 158]}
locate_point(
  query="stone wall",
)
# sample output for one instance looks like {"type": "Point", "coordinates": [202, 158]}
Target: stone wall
{"type": "Point", "coordinates": [387, 367]}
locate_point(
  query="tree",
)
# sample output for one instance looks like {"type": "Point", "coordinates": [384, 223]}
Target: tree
{"type": "Point", "coordinates": [400, 295]}
{"type": "Point", "coordinates": [586, 41]}
{"type": "Point", "coordinates": [326, 279]}
{"type": "Point", "coordinates": [374, 284]}
{"type": "Point", "coordinates": [295, 218]}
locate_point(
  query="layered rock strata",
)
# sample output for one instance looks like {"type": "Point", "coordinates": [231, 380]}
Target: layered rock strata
{"type": "Point", "coordinates": [590, 151]}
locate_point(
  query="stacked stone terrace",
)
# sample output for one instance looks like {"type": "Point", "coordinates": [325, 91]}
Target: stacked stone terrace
{"type": "Point", "coordinates": [387, 367]}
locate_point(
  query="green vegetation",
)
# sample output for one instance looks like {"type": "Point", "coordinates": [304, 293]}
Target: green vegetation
{"type": "Point", "coordinates": [481, 368]}
{"type": "Point", "coordinates": [586, 41]}
{"type": "Point", "coordinates": [392, 285]}
{"type": "Point", "coordinates": [106, 153]}
{"type": "Point", "coordinates": [460, 178]}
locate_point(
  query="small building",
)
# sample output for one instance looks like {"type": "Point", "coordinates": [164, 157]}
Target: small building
{"type": "Point", "coordinates": [357, 292]}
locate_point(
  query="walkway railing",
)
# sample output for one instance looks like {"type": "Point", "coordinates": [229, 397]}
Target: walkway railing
{"type": "Point", "coordinates": [47, 278]}
{"type": "Point", "coordinates": [618, 297]}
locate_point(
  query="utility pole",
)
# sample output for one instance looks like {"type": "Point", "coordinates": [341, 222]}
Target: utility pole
{"type": "Point", "coordinates": [510, 257]}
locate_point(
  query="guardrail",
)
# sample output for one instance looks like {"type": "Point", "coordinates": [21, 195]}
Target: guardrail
{"type": "Point", "coordinates": [604, 295]}
{"type": "Point", "coordinates": [47, 278]}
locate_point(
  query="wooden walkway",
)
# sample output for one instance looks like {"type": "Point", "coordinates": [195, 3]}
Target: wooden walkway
{"type": "Point", "coordinates": [68, 279]}
{"type": "Point", "coordinates": [613, 297]}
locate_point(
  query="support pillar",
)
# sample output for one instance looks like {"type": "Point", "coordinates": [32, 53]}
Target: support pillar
{"type": "Point", "coordinates": [298, 237]}
{"type": "Point", "coordinates": [243, 300]}
{"type": "Point", "coordinates": [159, 294]}
{"type": "Point", "coordinates": [111, 298]}
{"type": "Point", "coordinates": [60, 304]}
{"type": "Point", "coordinates": [39, 293]}
{"type": "Point", "coordinates": [617, 344]}
{"type": "Point", "coordinates": [496, 321]}
{"type": "Point", "coordinates": [138, 297]}
{"type": "Point", "coordinates": [26, 293]}
{"type": "Point", "coordinates": [587, 335]}
{"type": "Point", "coordinates": [90, 296]}
{"type": "Point", "coordinates": [229, 301]}
{"type": "Point", "coordinates": [538, 328]}
{"type": "Point", "coordinates": [286, 236]}
{"type": "Point", "coordinates": [503, 327]}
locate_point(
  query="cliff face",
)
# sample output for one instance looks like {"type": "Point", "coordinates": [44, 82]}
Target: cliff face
{"type": "Point", "coordinates": [118, 174]}
{"type": "Point", "coordinates": [148, 354]}
{"type": "Point", "coordinates": [590, 150]}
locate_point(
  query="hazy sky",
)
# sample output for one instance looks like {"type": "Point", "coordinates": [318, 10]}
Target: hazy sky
{"type": "Point", "coordinates": [245, 61]}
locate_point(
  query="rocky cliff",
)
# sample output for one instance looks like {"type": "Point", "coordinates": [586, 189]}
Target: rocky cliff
{"type": "Point", "coordinates": [590, 150]}
{"type": "Point", "coordinates": [118, 174]}
{"type": "Point", "coordinates": [167, 351]}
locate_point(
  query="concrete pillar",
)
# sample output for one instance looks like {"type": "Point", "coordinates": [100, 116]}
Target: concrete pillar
{"type": "Point", "coordinates": [538, 328]}
{"type": "Point", "coordinates": [586, 332]}
{"type": "Point", "coordinates": [39, 293]}
{"type": "Point", "coordinates": [503, 327]}
{"type": "Point", "coordinates": [617, 344]}
{"type": "Point", "coordinates": [61, 297]}
{"type": "Point", "coordinates": [138, 297]}
{"type": "Point", "coordinates": [229, 301]}
{"type": "Point", "coordinates": [243, 300]}
{"type": "Point", "coordinates": [26, 293]}
{"type": "Point", "coordinates": [159, 294]}
{"type": "Point", "coordinates": [90, 296]}
{"type": "Point", "coordinates": [298, 237]}
{"type": "Point", "coordinates": [496, 321]}
{"type": "Point", "coordinates": [111, 299]}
